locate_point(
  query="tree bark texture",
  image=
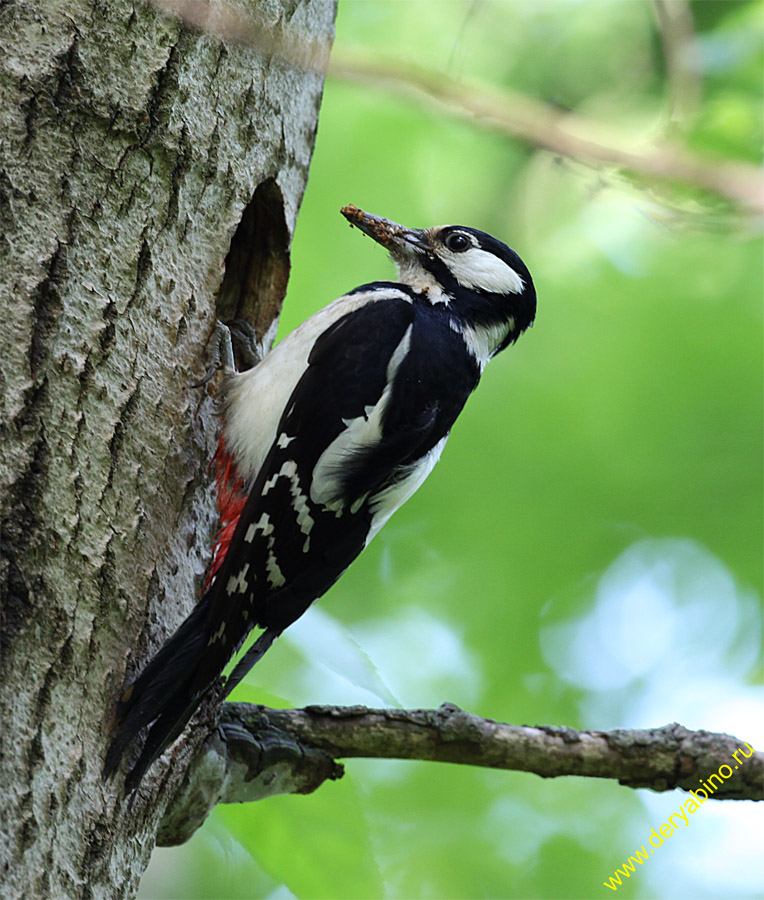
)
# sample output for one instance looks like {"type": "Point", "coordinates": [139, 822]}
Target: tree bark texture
{"type": "Point", "coordinates": [150, 177]}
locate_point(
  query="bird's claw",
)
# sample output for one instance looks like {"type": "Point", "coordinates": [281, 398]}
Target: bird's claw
{"type": "Point", "coordinates": [229, 342]}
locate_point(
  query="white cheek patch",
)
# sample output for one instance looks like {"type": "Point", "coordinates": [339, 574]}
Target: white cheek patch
{"type": "Point", "coordinates": [483, 271]}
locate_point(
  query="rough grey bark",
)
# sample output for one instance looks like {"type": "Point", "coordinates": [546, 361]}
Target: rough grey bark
{"type": "Point", "coordinates": [259, 752]}
{"type": "Point", "coordinates": [137, 155]}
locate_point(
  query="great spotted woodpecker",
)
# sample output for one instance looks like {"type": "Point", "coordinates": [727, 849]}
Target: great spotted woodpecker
{"type": "Point", "coordinates": [321, 442]}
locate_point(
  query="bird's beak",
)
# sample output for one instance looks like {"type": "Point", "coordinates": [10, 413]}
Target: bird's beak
{"type": "Point", "coordinates": [400, 241]}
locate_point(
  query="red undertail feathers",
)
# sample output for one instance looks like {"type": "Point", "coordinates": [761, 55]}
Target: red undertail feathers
{"type": "Point", "coordinates": [231, 498]}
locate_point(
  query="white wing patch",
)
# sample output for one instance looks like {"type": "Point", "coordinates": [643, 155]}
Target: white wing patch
{"type": "Point", "coordinates": [263, 525]}
{"type": "Point", "coordinates": [237, 584]}
{"type": "Point", "coordinates": [256, 399]}
{"type": "Point", "coordinates": [275, 575]}
{"type": "Point", "coordinates": [301, 507]}
{"type": "Point", "coordinates": [359, 434]}
{"type": "Point", "coordinates": [483, 271]}
{"type": "Point", "coordinates": [300, 503]}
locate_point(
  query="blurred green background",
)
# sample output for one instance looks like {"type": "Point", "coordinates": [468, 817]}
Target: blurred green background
{"type": "Point", "coordinates": [589, 550]}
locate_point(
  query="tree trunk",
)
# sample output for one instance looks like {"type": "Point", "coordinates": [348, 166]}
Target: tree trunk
{"type": "Point", "coordinates": [150, 176]}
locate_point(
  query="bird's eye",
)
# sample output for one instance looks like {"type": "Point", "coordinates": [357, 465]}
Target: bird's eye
{"type": "Point", "coordinates": [458, 242]}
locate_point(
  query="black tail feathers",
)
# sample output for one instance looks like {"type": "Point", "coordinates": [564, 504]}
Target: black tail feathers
{"type": "Point", "coordinates": [169, 690]}
{"type": "Point", "coordinates": [162, 694]}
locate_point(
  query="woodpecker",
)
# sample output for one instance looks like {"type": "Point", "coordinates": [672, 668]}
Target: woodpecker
{"type": "Point", "coordinates": [321, 442]}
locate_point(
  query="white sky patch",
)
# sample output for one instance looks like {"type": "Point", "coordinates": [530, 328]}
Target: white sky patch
{"type": "Point", "coordinates": [423, 658]}
{"type": "Point", "coordinates": [662, 606]}
{"type": "Point", "coordinates": [336, 668]}
{"type": "Point", "coordinates": [671, 636]}
{"type": "Point", "coordinates": [717, 855]}
{"type": "Point", "coordinates": [409, 659]}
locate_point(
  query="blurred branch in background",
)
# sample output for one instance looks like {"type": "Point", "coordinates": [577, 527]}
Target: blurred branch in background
{"type": "Point", "coordinates": [250, 25]}
{"type": "Point", "coordinates": [258, 752]}
{"type": "Point", "coordinates": [680, 51]}
{"type": "Point", "coordinates": [508, 113]}
{"type": "Point", "coordinates": [544, 125]}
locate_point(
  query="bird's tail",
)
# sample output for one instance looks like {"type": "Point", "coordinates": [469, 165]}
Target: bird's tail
{"type": "Point", "coordinates": [169, 690]}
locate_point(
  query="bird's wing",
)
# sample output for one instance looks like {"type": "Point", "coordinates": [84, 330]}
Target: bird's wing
{"type": "Point", "coordinates": [305, 519]}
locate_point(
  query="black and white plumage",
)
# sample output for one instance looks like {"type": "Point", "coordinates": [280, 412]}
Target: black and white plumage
{"type": "Point", "coordinates": [322, 441]}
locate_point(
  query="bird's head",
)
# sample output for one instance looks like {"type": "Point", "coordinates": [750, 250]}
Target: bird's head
{"type": "Point", "coordinates": [481, 280]}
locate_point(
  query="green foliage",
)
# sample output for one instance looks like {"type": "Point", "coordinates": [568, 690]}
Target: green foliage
{"type": "Point", "coordinates": [589, 550]}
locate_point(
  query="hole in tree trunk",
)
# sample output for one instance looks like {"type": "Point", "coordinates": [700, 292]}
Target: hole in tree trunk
{"type": "Point", "coordinates": [257, 265]}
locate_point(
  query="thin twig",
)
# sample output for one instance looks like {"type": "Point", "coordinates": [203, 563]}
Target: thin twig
{"type": "Point", "coordinates": [511, 114]}
{"type": "Point", "coordinates": [680, 51]}
{"type": "Point", "coordinates": [246, 26]}
{"type": "Point", "coordinates": [542, 125]}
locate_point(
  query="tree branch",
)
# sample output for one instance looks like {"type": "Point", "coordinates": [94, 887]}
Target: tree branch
{"type": "Point", "coordinates": [514, 114]}
{"type": "Point", "coordinates": [543, 125]}
{"type": "Point", "coordinates": [258, 752]}
{"type": "Point", "coordinates": [682, 57]}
